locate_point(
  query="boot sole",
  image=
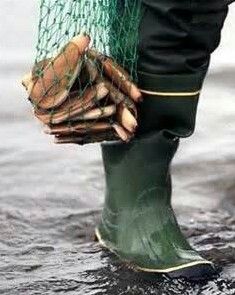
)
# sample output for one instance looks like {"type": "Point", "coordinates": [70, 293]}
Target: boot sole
{"type": "Point", "coordinates": [196, 270]}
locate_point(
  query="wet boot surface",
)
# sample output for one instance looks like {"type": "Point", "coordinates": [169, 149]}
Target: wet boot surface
{"type": "Point", "coordinates": [47, 234]}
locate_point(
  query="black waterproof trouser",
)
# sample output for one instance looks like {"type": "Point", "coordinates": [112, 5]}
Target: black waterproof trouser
{"type": "Point", "coordinates": [176, 39]}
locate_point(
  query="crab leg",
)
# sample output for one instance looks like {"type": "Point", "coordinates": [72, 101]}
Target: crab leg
{"type": "Point", "coordinates": [98, 113]}
{"type": "Point", "coordinates": [123, 134]}
{"type": "Point", "coordinates": [117, 75]}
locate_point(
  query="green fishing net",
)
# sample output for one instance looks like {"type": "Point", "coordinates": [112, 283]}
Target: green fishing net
{"type": "Point", "coordinates": [112, 25]}
{"type": "Point", "coordinates": [69, 100]}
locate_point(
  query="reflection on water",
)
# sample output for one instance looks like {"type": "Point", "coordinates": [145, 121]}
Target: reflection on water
{"type": "Point", "coordinates": [50, 203]}
{"type": "Point", "coordinates": [56, 254]}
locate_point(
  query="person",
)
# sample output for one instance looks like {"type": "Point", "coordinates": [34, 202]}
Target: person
{"type": "Point", "coordinates": [176, 39]}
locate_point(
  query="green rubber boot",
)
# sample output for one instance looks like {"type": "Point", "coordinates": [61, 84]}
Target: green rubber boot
{"type": "Point", "coordinates": [138, 222]}
{"type": "Point", "coordinates": [176, 39]}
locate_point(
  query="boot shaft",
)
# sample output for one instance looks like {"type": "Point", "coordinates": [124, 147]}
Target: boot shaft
{"type": "Point", "coordinates": [138, 168]}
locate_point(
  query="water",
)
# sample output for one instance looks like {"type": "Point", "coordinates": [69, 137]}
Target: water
{"type": "Point", "coordinates": [51, 196]}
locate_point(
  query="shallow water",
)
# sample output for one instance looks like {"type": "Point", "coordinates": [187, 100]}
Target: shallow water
{"type": "Point", "coordinates": [51, 197]}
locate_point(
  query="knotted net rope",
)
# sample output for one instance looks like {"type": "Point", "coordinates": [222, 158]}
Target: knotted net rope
{"type": "Point", "coordinates": [82, 84]}
{"type": "Point", "coordinates": [112, 25]}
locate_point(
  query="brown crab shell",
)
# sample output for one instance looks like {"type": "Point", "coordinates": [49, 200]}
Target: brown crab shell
{"type": "Point", "coordinates": [52, 86]}
{"type": "Point", "coordinates": [78, 128]}
{"type": "Point", "coordinates": [86, 139]}
{"type": "Point", "coordinates": [75, 105]}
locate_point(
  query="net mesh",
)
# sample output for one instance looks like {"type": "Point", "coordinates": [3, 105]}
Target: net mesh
{"type": "Point", "coordinates": [83, 88]}
{"type": "Point", "coordinates": [112, 25]}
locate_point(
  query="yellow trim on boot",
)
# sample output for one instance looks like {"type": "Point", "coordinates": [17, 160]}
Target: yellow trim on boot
{"type": "Point", "coordinates": [186, 94]}
{"type": "Point", "coordinates": [149, 270]}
